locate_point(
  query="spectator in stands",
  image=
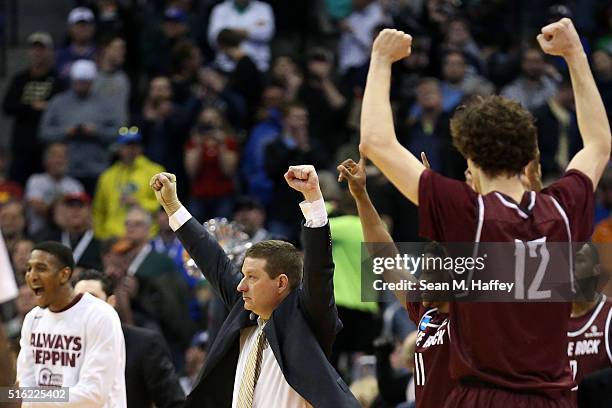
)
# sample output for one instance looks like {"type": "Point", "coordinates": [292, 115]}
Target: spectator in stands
{"type": "Point", "coordinates": [25, 101]}
{"type": "Point", "coordinates": [156, 46]}
{"type": "Point", "coordinates": [111, 81]}
{"type": "Point", "coordinates": [24, 302]}
{"type": "Point", "coordinates": [12, 223]}
{"type": "Point", "coordinates": [19, 257]}
{"type": "Point", "coordinates": [165, 125]}
{"type": "Point", "coordinates": [185, 64]}
{"type": "Point", "coordinates": [43, 189]}
{"type": "Point", "coordinates": [357, 33]}
{"type": "Point", "coordinates": [150, 377]}
{"type": "Point", "coordinates": [430, 131]}
{"type": "Point", "coordinates": [602, 70]}
{"type": "Point", "coordinates": [87, 122]}
{"type": "Point", "coordinates": [244, 78]}
{"type": "Point", "coordinates": [294, 146]}
{"type": "Point", "coordinates": [456, 77]}
{"type": "Point", "coordinates": [166, 242]}
{"type": "Point", "coordinates": [76, 232]}
{"type": "Point", "coordinates": [326, 105]}
{"type": "Point", "coordinates": [286, 73]}
{"type": "Point", "coordinates": [123, 185]}
{"type": "Point", "coordinates": [252, 20]}
{"type": "Point", "coordinates": [211, 160]}
{"type": "Point", "coordinates": [252, 166]}
{"type": "Point", "coordinates": [9, 190]}
{"type": "Point", "coordinates": [558, 137]}
{"type": "Point", "coordinates": [113, 19]}
{"type": "Point", "coordinates": [162, 294]}
{"type": "Point", "coordinates": [195, 356]}
{"type": "Point", "coordinates": [533, 87]}
{"type": "Point", "coordinates": [459, 38]}
{"type": "Point", "coordinates": [251, 215]}
{"type": "Point", "coordinates": [81, 29]}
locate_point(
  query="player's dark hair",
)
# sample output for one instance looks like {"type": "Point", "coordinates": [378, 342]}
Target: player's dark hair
{"type": "Point", "coordinates": [281, 257]}
{"type": "Point", "coordinates": [61, 252]}
{"type": "Point", "coordinates": [497, 134]}
{"type": "Point", "coordinates": [96, 275]}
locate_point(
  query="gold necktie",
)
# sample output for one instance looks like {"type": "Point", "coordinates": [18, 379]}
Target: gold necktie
{"type": "Point", "coordinates": [251, 372]}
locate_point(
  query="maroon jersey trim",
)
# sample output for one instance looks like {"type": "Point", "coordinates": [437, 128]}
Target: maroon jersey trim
{"type": "Point", "coordinates": [594, 315]}
{"type": "Point", "coordinates": [533, 201]}
{"type": "Point", "coordinates": [509, 204]}
{"type": "Point", "coordinates": [420, 369]}
{"type": "Point", "coordinates": [480, 218]}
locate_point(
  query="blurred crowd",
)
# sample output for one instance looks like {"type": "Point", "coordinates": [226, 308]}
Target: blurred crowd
{"type": "Point", "coordinates": [228, 94]}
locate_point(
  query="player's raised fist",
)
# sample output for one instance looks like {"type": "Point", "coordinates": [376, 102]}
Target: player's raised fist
{"type": "Point", "coordinates": [391, 45]}
{"type": "Point", "coordinates": [304, 179]}
{"type": "Point", "coordinates": [164, 185]}
{"type": "Point", "coordinates": [560, 39]}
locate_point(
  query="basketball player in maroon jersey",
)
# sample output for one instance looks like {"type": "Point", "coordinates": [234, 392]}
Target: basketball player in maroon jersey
{"type": "Point", "coordinates": [502, 354]}
{"type": "Point", "coordinates": [432, 381]}
{"type": "Point", "coordinates": [589, 334]}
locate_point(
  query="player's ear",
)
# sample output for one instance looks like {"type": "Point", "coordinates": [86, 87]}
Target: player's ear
{"type": "Point", "coordinates": [65, 275]}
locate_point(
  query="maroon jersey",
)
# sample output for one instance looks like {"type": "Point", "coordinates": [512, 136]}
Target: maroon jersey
{"type": "Point", "coordinates": [588, 341]}
{"type": "Point", "coordinates": [432, 382]}
{"type": "Point", "coordinates": [516, 346]}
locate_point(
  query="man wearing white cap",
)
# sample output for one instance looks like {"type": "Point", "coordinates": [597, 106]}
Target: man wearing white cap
{"type": "Point", "coordinates": [81, 28]}
{"type": "Point", "coordinates": [87, 122]}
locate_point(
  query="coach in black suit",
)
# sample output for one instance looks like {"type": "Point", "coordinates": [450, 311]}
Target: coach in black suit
{"type": "Point", "coordinates": [281, 326]}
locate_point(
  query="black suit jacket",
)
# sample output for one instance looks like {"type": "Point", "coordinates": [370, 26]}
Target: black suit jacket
{"type": "Point", "coordinates": [300, 331]}
{"type": "Point", "coordinates": [149, 373]}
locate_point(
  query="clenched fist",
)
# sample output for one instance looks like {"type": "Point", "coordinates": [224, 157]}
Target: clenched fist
{"type": "Point", "coordinates": [164, 185]}
{"type": "Point", "coordinates": [305, 180]}
{"type": "Point", "coordinates": [560, 39]}
{"type": "Point", "coordinates": [391, 45]}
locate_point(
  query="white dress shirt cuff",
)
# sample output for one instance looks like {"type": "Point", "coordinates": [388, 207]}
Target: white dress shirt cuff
{"type": "Point", "coordinates": [179, 218]}
{"type": "Point", "coordinates": [314, 213]}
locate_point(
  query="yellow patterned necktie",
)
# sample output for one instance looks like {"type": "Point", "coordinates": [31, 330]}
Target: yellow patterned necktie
{"type": "Point", "coordinates": [251, 372]}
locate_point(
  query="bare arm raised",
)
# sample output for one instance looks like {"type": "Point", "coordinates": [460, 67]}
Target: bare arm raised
{"type": "Point", "coordinates": [378, 140]}
{"type": "Point", "coordinates": [561, 39]}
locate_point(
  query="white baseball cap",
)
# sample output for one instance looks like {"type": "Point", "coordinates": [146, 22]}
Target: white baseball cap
{"type": "Point", "coordinates": [80, 14]}
{"type": "Point", "coordinates": [83, 70]}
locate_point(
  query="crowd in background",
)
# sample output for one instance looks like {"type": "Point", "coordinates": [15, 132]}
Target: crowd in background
{"type": "Point", "coordinates": [226, 95]}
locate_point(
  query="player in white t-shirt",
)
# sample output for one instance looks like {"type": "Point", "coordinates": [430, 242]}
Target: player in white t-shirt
{"type": "Point", "coordinates": [69, 340]}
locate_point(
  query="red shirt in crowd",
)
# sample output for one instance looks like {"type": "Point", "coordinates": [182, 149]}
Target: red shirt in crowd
{"type": "Point", "coordinates": [210, 181]}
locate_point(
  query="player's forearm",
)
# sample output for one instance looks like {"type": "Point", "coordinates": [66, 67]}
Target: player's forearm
{"type": "Point", "coordinates": [591, 113]}
{"type": "Point", "coordinates": [377, 128]}
{"type": "Point", "coordinates": [374, 229]}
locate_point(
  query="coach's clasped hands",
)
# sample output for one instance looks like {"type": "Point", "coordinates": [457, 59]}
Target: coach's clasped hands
{"type": "Point", "coordinates": [164, 185]}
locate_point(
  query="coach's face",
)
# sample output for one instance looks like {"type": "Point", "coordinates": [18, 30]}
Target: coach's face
{"type": "Point", "coordinates": [45, 277]}
{"type": "Point", "coordinates": [260, 292]}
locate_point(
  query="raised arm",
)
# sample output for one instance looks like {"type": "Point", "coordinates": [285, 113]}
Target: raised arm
{"type": "Point", "coordinates": [378, 140]}
{"type": "Point", "coordinates": [377, 239]}
{"type": "Point", "coordinates": [561, 39]}
{"type": "Point", "coordinates": [317, 294]}
{"type": "Point", "coordinates": [201, 246]}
